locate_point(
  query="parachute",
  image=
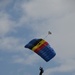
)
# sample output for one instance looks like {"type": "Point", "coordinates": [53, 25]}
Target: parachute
{"type": "Point", "coordinates": [42, 48]}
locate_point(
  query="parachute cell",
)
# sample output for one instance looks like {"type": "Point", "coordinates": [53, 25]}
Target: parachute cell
{"type": "Point", "coordinates": [42, 48]}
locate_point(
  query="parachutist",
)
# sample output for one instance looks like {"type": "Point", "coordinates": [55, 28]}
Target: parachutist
{"type": "Point", "coordinates": [41, 70]}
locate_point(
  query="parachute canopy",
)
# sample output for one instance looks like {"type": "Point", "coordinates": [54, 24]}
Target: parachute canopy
{"type": "Point", "coordinates": [42, 48]}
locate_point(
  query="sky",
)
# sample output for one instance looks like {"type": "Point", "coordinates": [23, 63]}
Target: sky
{"type": "Point", "coordinates": [23, 20]}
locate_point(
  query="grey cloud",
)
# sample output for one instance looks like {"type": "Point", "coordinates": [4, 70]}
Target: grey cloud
{"type": "Point", "coordinates": [48, 8]}
{"type": "Point", "coordinates": [4, 3]}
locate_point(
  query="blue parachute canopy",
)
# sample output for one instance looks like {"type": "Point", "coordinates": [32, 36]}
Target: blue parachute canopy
{"type": "Point", "coordinates": [42, 48]}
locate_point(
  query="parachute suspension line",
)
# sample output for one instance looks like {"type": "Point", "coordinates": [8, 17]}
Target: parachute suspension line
{"type": "Point", "coordinates": [47, 34]}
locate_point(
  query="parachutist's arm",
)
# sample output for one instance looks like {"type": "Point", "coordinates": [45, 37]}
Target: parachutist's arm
{"type": "Point", "coordinates": [41, 71]}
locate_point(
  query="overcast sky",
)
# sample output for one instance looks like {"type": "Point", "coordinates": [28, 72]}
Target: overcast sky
{"type": "Point", "coordinates": [23, 20]}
